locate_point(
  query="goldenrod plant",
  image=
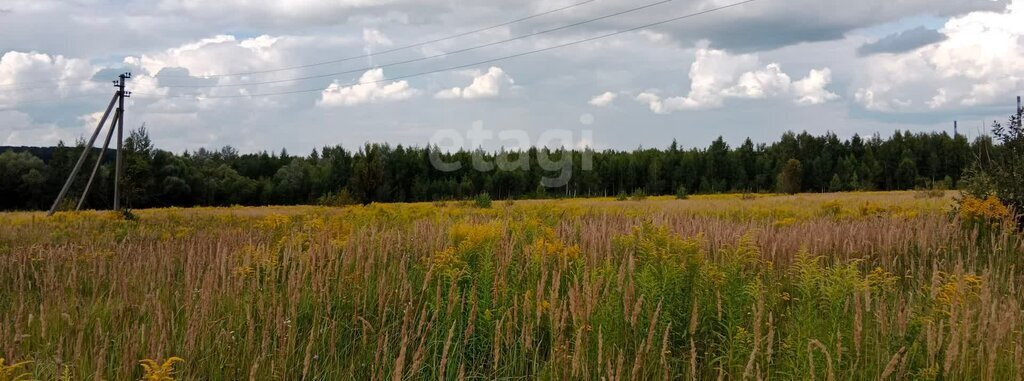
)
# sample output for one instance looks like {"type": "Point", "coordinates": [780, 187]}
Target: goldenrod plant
{"type": "Point", "coordinates": [862, 285]}
{"type": "Point", "coordinates": [159, 371]}
{"type": "Point", "coordinates": [13, 372]}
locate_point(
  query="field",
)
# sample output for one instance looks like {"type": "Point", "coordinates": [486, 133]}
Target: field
{"type": "Point", "coordinates": [830, 286]}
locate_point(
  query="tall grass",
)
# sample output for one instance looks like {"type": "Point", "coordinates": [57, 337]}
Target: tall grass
{"type": "Point", "coordinates": [862, 286]}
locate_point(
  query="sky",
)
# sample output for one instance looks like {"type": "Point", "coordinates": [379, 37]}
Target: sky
{"type": "Point", "coordinates": [753, 70]}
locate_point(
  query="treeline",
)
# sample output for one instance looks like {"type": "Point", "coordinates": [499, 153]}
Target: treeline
{"type": "Point", "coordinates": [384, 173]}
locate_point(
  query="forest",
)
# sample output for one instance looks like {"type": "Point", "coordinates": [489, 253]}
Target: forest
{"type": "Point", "coordinates": [31, 177]}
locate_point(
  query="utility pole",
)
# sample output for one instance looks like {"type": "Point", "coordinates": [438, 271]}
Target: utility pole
{"type": "Point", "coordinates": [119, 166]}
{"type": "Point", "coordinates": [118, 123]}
{"type": "Point", "coordinates": [1020, 112]}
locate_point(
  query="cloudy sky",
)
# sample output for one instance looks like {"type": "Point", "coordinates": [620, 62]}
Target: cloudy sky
{"type": "Point", "coordinates": [753, 70]}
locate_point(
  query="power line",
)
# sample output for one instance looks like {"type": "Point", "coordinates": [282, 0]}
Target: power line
{"type": "Point", "coordinates": [401, 48]}
{"type": "Point", "coordinates": [339, 60]}
{"type": "Point", "coordinates": [16, 105]}
{"type": "Point", "coordinates": [439, 55]}
{"type": "Point", "coordinates": [450, 68]}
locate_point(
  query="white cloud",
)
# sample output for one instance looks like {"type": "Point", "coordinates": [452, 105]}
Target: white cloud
{"type": "Point", "coordinates": [41, 77]}
{"type": "Point", "coordinates": [371, 89]}
{"type": "Point", "coordinates": [374, 37]}
{"type": "Point", "coordinates": [604, 100]}
{"type": "Point", "coordinates": [485, 85]}
{"type": "Point", "coordinates": [980, 62]}
{"type": "Point", "coordinates": [659, 105]}
{"type": "Point", "coordinates": [716, 75]}
{"type": "Point", "coordinates": [761, 83]}
{"type": "Point", "coordinates": [217, 55]}
{"type": "Point", "coordinates": [191, 34]}
{"type": "Point", "coordinates": [18, 128]}
{"type": "Point", "coordinates": [811, 90]}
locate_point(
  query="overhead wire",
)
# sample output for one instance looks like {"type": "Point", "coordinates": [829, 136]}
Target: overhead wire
{"type": "Point", "coordinates": [392, 50]}
{"type": "Point", "coordinates": [463, 66]}
{"type": "Point", "coordinates": [19, 85]}
{"type": "Point", "coordinates": [438, 55]}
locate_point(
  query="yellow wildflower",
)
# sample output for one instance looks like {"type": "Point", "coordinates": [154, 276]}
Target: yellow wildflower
{"type": "Point", "coordinates": [155, 371]}
{"type": "Point", "coordinates": [13, 372]}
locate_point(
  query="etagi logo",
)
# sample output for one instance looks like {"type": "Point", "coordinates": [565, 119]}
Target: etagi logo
{"type": "Point", "coordinates": [556, 151]}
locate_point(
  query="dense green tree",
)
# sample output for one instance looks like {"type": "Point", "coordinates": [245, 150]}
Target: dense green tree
{"type": "Point", "coordinates": [384, 173]}
{"type": "Point", "coordinates": [791, 177]}
{"type": "Point", "coordinates": [22, 176]}
{"type": "Point", "coordinates": [139, 184]}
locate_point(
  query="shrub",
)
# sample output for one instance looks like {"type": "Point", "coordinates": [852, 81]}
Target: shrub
{"type": "Point", "coordinates": [681, 193]}
{"type": "Point", "coordinates": [127, 215]}
{"type": "Point", "coordinates": [622, 196]}
{"type": "Point", "coordinates": [638, 195]}
{"type": "Point", "coordinates": [832, 208]}
{"type": "Point", "coordinates": [934, 189]}
{"type": "Point", "coordinates": [483, 200]}
{"type": "Point", "coordinates": [1001, 171]}
{"type": "Point", "coordinates": [929, 193]}
{"type": "Point", "coordinates": [342, 198]}
{"type": "Point", "coordinates": [982, 213]}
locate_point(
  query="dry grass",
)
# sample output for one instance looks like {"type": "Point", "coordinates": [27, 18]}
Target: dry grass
{"type": "Point", "coordinates": [862, 286]}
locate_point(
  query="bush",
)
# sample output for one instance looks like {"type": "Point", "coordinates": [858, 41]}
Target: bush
{"type": "Point", "coordinates": [934, 189]}
{"type": "Point", "coordinates": [929, 193]}
{"type": "Point", "coordinates": [984, 213]}
{"type": "Point", "coordinates": [622, 196]}
{"type": "Point", "coordinates": [342, 198]}
{"type": "Point", "coordinates": [127, 215]}
{"type": "Point", "coordinates": [639, 195]}
{"type": "Point", "coordinates": [1001, 172]}
{"type": "Point", "coordinates": [681, 193]}
{"type": "Point", "coordinates": [483, 200]}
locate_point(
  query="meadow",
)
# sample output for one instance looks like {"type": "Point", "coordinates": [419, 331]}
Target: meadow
{"type": "Point", "coordinates": [862, 286]}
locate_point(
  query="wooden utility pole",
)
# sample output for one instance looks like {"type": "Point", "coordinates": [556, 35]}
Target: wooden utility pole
{"type": "Point", "coordinates": [118, 123]}
{"type": "Point", "coordinates": [1020, 112]}
{"type": "Point", "coordinates": [119, 166]}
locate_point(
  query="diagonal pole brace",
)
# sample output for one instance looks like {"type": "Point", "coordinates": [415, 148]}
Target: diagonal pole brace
{"type": "Point", "coordinates": [81, 159]}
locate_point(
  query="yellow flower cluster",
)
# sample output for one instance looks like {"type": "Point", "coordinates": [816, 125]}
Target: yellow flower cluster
{"type": "Point", "coordinates": [252, 259]}
{"type": "Point", "coordinates": [467, 240]}
{"type": "Point", "coordinates": [989, 210]}
{"type": "Point", "coordinates": [656, 244]}
{"type": "Point", "coordinates": [547, 245]}
{"type": "Point", "coordinates": [956, 289]}
{"type": "Point", "coordinates": [13, 372]}
{"type": "Point", "coordinates": [879, 279]}
{"type": "Point", "coordinates": [474, 236]}
{"type": "Point", "coordinates": [273, 221]}
{"type": "Point", "coordinates": [157, 371]}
